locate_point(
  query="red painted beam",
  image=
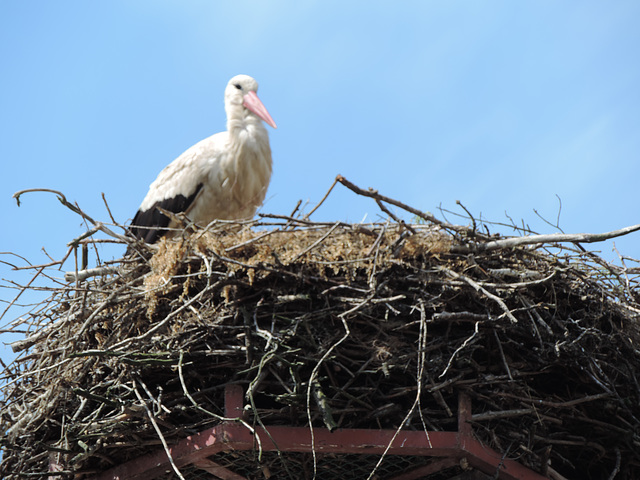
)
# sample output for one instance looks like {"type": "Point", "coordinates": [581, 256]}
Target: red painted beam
{"type": "Point", "coordinates": [234, 436]}
{"type": "Point", "coordinates": [364, 441]}
{"type": "Point", "coordinates": [187, 451]}
{"type": "Point", "coordinates": [285, 439]}
{"type": "Point", "coordinates": [298, 439]}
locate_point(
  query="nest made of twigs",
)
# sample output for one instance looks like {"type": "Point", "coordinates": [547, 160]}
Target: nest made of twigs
{"type": "Point", "coordinates": [385, 323]}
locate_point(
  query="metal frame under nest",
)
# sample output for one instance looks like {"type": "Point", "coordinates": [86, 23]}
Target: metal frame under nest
{"type": "Point", "coordinates": [391, 454]}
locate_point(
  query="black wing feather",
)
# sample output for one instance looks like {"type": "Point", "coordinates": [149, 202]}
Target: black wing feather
{"type": "Point", "coordinates": [149, 225]}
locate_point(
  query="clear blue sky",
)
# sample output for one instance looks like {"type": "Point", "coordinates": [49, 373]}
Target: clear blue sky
{"type": "Point", "coordinates": [503, 105]}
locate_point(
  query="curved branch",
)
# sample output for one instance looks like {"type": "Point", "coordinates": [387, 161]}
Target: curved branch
{"type": "Point", "coordinates": [371, 193]}
{"type": "Point", "coordinates": [75, 209]}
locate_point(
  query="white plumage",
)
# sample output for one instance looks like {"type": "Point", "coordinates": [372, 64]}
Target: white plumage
{"type": "Point", "coordinates": [225, 176]}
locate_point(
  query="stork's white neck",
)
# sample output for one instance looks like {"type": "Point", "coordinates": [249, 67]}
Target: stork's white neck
{"type": "Point", "coordinates": [247, 133]}
{"type": "Point", "coordinates": [244, 122]}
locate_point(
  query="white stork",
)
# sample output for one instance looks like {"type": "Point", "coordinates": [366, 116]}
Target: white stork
{"type": "Point", "coordinates": [221, 177]}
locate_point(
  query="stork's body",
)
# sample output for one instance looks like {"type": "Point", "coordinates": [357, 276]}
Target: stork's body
{"type": "Point", "coordinates": [224, 177]}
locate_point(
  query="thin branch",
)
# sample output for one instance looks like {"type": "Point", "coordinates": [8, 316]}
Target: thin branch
{"type": "Point", "coordinates": [471, 217]}
{"type": "Point", "coordinates": [74, 208]}
{"type": "Point", "coordinates": [479, 288]}
{"type": "Point", "coordinates": [316, 243]}
{"type": "Point", "coordinates": [425, 216]}
{"type": "Point", "coordinates": [306, 217]}
{"type": "Point", "coordinates": [82, 275]}
{"type": "Point", "coordinates": [104, 199]}
{"type": "Point", "coordinates": [158, 431]}
{"type": "Point", "coordinates": [557, 224]}
{"type": "Point", "coordinates": [540, 239]}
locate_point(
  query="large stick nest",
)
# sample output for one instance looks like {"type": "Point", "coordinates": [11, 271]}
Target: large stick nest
{"type": "Point", "coordinates": [341, 325]}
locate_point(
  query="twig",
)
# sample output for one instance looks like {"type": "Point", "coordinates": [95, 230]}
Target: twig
{"type": "Point", "coordinates": [314, 374]}
{"type": "Point", "coordinates": [104, 200]}
{"type": "Point", "coordinates": [425, 216]}
{"type": "Point", "coordinates": [461, 347]}
{"type": "Point", "coordinates": [316, 243]}
{"type": "Point", "coordinates": [306, 217]}
{"type": "Point", "coordinates": [165, 321]}
{"type": "Point", "coordinates": [504, 360]}
{"type": "Point", "coordinates": [296, 208]}
{"type": "Point", "coordinates": [557, 224]}
{"type": "Point", "coordinates": [88, 233]}
{"type": "Point", "coordinates": [616, 468]}
{"type": "Point", "coordinates": [22, 290]}
{"type": "Point", "coordinates": [63, 200]}
{"type": "Point", "coordinates": [540, 239]}
{"type": "Point", "coordinates": [395, 219]}
{"type": "Point", "coordinates": [479, 288]}
{"type": "Point", "coordinates": [487, 416]}
{"type": "Point", "coordinates": [250, 241]}
{"type": "Point", "coordinates": [473, 220]}
{"type": "Point", "coordinates": [82, 275]}
{"type": "Point", "coordinates": [158, 431]}
{"type": "Point", "coordinates": [323, 405]}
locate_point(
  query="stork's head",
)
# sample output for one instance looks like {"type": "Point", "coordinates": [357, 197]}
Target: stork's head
{"type": "Point", "coordinates": [240, 94]}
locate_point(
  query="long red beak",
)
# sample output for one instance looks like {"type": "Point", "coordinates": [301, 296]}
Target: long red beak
{"type": "Point", "coordinates": [253, 103]}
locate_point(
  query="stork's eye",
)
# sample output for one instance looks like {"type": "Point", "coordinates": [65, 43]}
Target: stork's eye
{"type": "Point", "coordinates": [238, 86]}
